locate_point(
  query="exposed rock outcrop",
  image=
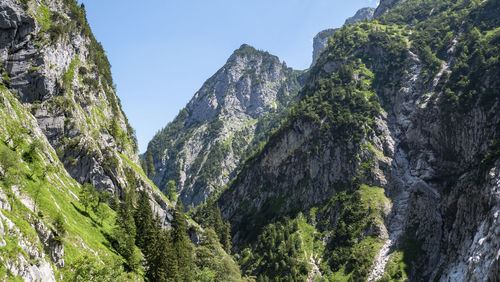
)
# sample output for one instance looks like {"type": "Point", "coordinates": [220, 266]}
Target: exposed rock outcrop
{"type": "Point", "coordinates": [361, 15]}
{"type": "Point", "coordinates": [320, 42]}
{"type": "Point", "coordinates": [233, 111]}
{"type": "Point", "coordinates": [429, 159]}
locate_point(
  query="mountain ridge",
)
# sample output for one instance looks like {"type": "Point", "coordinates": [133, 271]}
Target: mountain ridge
{"type": "Point", "coordinates": [235, 104]}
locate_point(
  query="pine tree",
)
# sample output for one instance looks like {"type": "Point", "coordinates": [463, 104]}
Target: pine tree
{"type": "Point", "coordinates": [125, 231]}
{"type": "Point", "coordinates": [181, 243]}
{"type": "Point", "coordinates": [88, 196]}
{"type": "Point", "coordinates": [144, 166]}
{"type": "Point", "coordinates": [149, 164]}
{"type": "Point", "coordinates": [171, 194]}
{"type": "Point", "coordinates": [226, 237]}
{"type": "Point", "coordinates": [143, 218]}
{"type": "Point", "coordinates": [218, 225]}
{"type": "Point", "coordinates": [169, 259]}
{"type": "Point", "coordinates": [161, 256]}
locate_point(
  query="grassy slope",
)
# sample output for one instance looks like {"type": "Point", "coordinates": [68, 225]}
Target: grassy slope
{"type": "Point", "coordinates": [56, 192]}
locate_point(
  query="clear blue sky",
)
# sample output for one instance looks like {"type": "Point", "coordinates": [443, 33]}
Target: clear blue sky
{"type": "Point", "coordinates": [161, 51]}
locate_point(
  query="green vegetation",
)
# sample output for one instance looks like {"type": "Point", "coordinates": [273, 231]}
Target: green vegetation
{"type": "Point", "coordinates": [208, 215]}
{"type": "Point", "coordinates": [350, 253]}
{"type": "Point", "coordinates": [69, 75]}
{"type": "Point", "coordinates": [27, 161]}
{"type": "Point", "coordinates": [171, 191]}
{"type": "Point", "coordinates": [467, 30]}
{"type": "Point", "coordinates": [279, 253]}
{"type": "Point", "coordinates": [395, 269]}
{"type": "Point", "coordinates": [284, 250]}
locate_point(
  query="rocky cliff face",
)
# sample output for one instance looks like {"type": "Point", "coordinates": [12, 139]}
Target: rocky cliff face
{"type": "Point", "coordinates": [320, 41]}
{"type": "Point", "coordinates": [433, 151]}
{"type": "Point", "coordinates": [361, 15]}
{"type": "Point", "coordinates": [62, 126]}
{"type": "Point", "coordinates": [233, 111]}
{"type": "Point", "coordinates": [60, 72]}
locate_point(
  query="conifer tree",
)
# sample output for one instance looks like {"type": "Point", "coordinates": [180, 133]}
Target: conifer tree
{"type": "Point", "coordinates": [169, 259]}
{"type": "Point", "coordinates": [181, 243]}
{"type": "Point", "coordinates": [149, 164]}
{"type": "Point", "coordinates": [171, 194]}
{"type": "Point", "coordinates": [144, 166]}
{"type": "Point", "coordinates": [226, 237]}
{"type": "Point", "coordinates": [88, 196]}
{"type": "Point", "coordinates": [143, 218]}
{"type": "Point", "coordinates": [161, 256]}
{"type": "Point", "coordinates": [125, 231]}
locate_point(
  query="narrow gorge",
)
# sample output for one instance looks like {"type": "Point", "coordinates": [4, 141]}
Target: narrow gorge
{"type": "Point", "coordinates": [380, 162]}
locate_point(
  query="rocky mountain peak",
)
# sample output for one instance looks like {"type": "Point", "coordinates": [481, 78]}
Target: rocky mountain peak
{"type": "Point", "coordinates": [361, 15]}
{"type": "Point", "coordinates": [244, 86]}
{"type": "Point", "coordinates": [221, 121]}
{"type": "Point", "coordinates": [246, 50]}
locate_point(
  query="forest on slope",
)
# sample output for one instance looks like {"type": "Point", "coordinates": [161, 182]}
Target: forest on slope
{"type": "Point", "coordinates": [379, 163]}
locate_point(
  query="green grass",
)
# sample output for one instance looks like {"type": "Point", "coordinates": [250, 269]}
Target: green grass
{"type": "Point", "coordinates": [43, 16]}
{"type": "Point", "coordinates": [68, 76]}
{"type": "Point", "coordinates": [308, 235]}
{"type": "Point", "coordinates": [395, 269]}
{"type": "Point", "coordinates": [54, 194]}
{"type": "Point", "coordinates": [372, 149]}
{"type": "Point", "coordinates": [374, 199]}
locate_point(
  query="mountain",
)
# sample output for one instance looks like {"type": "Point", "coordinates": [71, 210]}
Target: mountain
{"type": "Point", "coordinates": [361, 15]}
{"type": "Point", "coordinates": [74, 201]}
{"type": "Point", "coordinates": [379, 163]}
{"type": "Point", "coordinates": [228, 118]}
{"type": "Point", "coordinates": [388, 165]}
{"type": "Point", "coordinates": [320, 41]}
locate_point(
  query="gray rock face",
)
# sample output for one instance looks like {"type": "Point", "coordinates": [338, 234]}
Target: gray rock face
{"type": "Point", "coordinates": [320, 42]}
{"type": "Point", "coordinates": [430, 167]}
{"type": "Point", "coordinates": [20, 266]}
{"type": "Point", "coordinates": [75, 106]}
{"type": "Point", "coordinates": [361, 15]}
{"type": "Point", "coordinates": [221, 121]}
{"type": "Point", "coordinates": [70, 106]}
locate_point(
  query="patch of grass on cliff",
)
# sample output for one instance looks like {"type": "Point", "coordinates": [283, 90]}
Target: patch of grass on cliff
{"type": "Point", "coordinates": [69, 75]}
{"type": "Point", "coordinates": [395, 269]}
{"type": "Point", "coordinates": [44, 17]}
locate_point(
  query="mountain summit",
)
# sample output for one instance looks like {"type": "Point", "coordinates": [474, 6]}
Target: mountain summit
{"type": "Point", "coordinates": [227, 118]}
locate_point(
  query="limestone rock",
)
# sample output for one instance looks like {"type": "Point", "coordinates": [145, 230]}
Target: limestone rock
{"type": "Point", "coordinates": [361, 15]}
{"type": "Point", "coordinates": [202, 148]}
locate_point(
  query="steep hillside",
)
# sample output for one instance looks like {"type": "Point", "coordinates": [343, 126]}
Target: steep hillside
{"type": "Point", "coordinates": [45, 232]}
{"type": "Point", "coordinates": [63, 137]}
{"type": "Point", "coordinates": [408, 103]}
{"type": "Point", "coordinates": [232, 113]}
{"type": "Point", "coordinates": [58, 70]}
